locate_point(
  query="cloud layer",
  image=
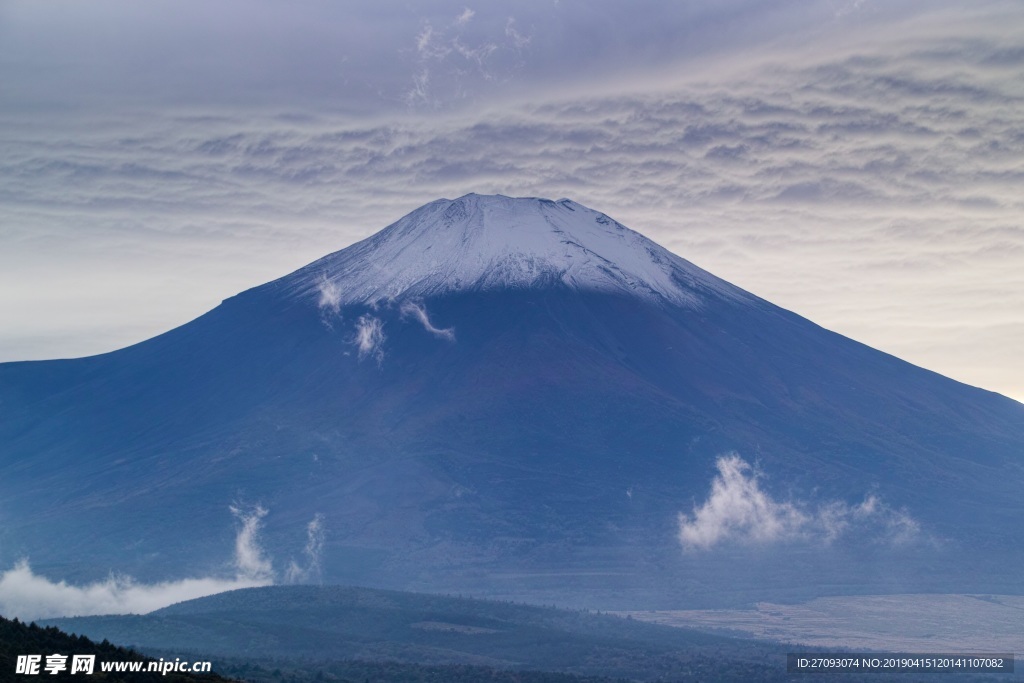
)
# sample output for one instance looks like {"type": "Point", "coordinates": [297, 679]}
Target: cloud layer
{"type": "Point", "coordinates": [738, 510]}
{"type": "Point", "coordinates": [366, 58]}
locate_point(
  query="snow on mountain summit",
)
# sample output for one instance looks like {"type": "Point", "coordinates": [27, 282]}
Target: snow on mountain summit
{"type": "Point", "coordinates": [485, 242]}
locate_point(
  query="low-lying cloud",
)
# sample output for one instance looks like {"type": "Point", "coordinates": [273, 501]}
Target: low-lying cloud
{"type": "Point", "coordinates": [738, 510]}
{"type": "Point", "coordinates": [27, 595]}
{"type": "Point", "coordinates": [419, 312]}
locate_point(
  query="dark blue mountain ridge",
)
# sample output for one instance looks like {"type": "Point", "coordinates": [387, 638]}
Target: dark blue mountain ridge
{"type": "Point", "coordinates": [514, 397]}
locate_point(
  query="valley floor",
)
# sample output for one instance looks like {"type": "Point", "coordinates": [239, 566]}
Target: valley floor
{"type": "Point", "coordinates": [894, 623]}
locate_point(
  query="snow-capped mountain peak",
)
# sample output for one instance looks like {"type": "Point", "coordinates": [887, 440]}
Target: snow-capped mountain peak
{"type": "Point", "coordinates": [481, 242]}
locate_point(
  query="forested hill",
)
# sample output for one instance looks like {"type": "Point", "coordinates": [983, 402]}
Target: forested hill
{"type": "Point", "coordinates": [17, 638]}
{"type": "Point", "coordinates": [360, 633]}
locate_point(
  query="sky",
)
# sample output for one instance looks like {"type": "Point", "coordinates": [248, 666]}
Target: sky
{"type": "Point", "coordinates": [856, 161]}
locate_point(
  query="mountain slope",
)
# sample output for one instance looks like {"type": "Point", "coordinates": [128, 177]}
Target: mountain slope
{"type": "Point", "coordinates": [514, 396]}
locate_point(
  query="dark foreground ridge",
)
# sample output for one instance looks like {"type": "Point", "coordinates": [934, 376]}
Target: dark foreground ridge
{"type": "Point", "coordinates": [17, 638]}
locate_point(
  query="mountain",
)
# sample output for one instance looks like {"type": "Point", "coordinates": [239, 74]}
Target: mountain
{"type": "Point", "coordinates": [291, 625]}
{"type": "Point", "coordinates": [515, 397]}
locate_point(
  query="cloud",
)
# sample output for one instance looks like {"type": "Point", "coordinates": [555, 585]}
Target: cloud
{"type": "Point", "coordinates": [330, 296]}
{"type": "Point", "coordinates": [519, 41]}
{"type": "Point", "coordinates": [311, 571]}
{"type": "Point", "coordinates": [897, 526]}
{"type": "Point", "coordinates": [370, 337]}
{"type": "Point", "coordinates": [27, 595]}
{"type": "Point", "coordinates": [458, 62]}
{"type": "Point", "coordinates": [738, 510]}
{"type": "Point", "coordinates": [250, 560]}
{"type": "Point", "coordinates": [419, 312]}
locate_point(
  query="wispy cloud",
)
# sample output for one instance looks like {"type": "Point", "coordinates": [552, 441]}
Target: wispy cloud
{"type": "Point", "coordinates": [464, 18]}
{"type": "Point", "coordinates": [739, 510]}
{"type": "Point", "coordinates": [250, 560]}
{"type": "Point", "coordinates": [519, 41]}
{"type": "Point", "coordinates": [418, 311]}
{"type": "Point", "coordinates": [330, 296]}
{"type": "Point", "coordinates": [311, 569]}
{"type": "Point", "coordinates": [370, 337]}
{"type": "Point", "coordinates": [454, 59]}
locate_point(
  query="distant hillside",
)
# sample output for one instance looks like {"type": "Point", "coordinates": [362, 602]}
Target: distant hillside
{"type": "Point", "coordinates": [332, 623]}
{"type": "Point", "coordinates": [335, 634]}
{"type": "Point", "coordinates": [17, 638]}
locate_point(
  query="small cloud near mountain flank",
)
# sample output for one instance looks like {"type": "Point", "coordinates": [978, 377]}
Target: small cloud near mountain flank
{"type": "Point", "coordinates": [370, 337]}
{"type": "Point", "coordinates": [737, 509]}
{"type": "Point", "coordinates": [419, 312]}
{"type": "Point", "coordinates": [312, 570]}
{"type": "Point", "coordinates": [330, 296]}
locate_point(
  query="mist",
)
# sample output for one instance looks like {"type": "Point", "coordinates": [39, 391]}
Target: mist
{"type": "Point", "coordinates": [28, 596]}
